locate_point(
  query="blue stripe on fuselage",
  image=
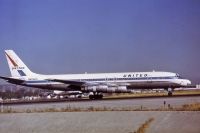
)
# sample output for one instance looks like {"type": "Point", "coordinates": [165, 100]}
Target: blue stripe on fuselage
{"type": "Point", "coordinates": [37, 81]}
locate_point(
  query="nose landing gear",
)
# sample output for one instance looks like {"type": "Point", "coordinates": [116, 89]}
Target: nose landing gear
{"type": "Point", "coordinates": [170, 91]}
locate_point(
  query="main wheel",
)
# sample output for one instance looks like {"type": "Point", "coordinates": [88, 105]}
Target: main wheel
{"type": "Point", "coordinates": [100, 96]}
{"type": "Point", "coordinates": [91, 97]}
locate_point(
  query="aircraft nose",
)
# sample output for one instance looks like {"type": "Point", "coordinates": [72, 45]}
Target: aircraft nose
{"type": "Point", "coordinates": [186, 82]}
{"type": "Point", "coordinates": [189, 82]}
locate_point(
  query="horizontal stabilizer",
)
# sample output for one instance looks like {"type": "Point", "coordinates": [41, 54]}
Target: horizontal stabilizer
{"type": "Point", "coordinates": [12, 80]}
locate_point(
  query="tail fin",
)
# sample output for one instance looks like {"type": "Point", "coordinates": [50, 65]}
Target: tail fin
{"type": "Point", "coordinates": [17, 67]}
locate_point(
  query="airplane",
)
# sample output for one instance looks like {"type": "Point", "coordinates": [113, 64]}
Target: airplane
{"type": "Point", "coordinates": [95, 83]}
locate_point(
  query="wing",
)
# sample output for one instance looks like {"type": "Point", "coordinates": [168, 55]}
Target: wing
{"type": "Point", "coordinates": [80, 83]}
{"type": "Point", "coordinates": [69, 82]}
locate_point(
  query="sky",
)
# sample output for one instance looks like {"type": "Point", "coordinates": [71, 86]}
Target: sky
{"type": "Point", "coordinates": [94, 36]}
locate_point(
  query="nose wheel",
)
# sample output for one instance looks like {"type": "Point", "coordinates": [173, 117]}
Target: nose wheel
{"type": "Point", "coordinates": [170, 91]}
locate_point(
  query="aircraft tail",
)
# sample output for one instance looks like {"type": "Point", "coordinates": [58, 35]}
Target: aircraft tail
{"type": "Point", "coordinates": [16, 65]}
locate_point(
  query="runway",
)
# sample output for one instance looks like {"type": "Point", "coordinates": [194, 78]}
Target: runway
{"type": "Point", "coordinates": [150, 103]}
{"type": "Point", "coordinates": [103, 121]}
{"type": "Point", "coordinates": [100, 122]}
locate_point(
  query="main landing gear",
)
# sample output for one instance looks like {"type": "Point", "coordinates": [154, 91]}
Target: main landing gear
{"type": "Point", "coordinates": [95, 96]}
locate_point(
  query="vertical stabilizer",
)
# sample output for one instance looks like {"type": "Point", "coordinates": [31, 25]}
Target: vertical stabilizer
{"type": "Point", "coordinates": [17, 67]}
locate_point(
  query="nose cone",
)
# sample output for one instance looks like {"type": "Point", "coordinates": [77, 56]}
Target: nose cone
{"type": "Point", "coordinates": [186, 82]}
{"type": "Point", "coordinates": [189, 82]}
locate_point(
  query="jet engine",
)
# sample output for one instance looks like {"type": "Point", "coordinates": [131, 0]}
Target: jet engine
{"type": "Point", "coordinates": [106, 89]}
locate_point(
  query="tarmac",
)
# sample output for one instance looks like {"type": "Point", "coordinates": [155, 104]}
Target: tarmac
{"type": "Point", "coordinates": [100, 122]}
{"type": "Point", "coordinates": [103, 121]}
{"type": "Point", "coordinates": [150, 103]}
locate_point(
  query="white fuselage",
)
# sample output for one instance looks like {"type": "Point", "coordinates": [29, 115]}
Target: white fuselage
{"type": "Point", "coordinates": [133, 80]}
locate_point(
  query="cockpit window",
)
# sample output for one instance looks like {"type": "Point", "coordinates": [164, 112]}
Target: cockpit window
{"type": "Point", "coordinates": [178, 76]}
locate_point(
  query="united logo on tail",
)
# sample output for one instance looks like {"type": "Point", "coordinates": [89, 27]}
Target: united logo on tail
{"type": "Point", "coordinates": [12, 61]}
